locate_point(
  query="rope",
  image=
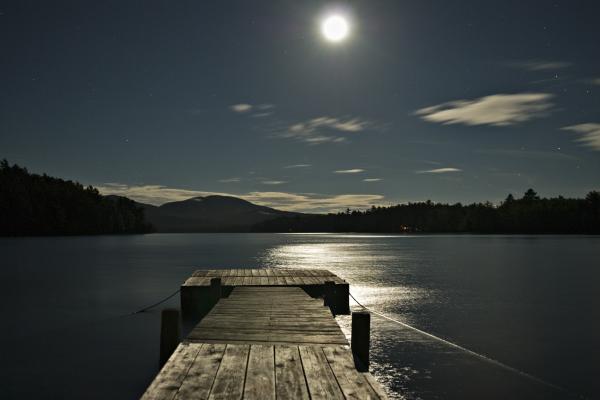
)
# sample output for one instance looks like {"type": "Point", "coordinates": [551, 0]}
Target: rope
{"type": "Point", "coordinates": [471, 352]}
{"type": "Point", "coordinates": [155, 304]}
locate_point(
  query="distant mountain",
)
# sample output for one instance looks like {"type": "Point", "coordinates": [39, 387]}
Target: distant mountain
{"type": "Point", "coordinates": [210, 214]}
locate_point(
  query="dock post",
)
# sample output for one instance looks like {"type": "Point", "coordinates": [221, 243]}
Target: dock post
{"type": "Point", "coordinates": [191, 304]}
{"type": "Point", "coordinates": [215, 290]}
{"type": "Point", "coordinates": [329, 294]}
{"type": "Point", "coordinates": [197, 301]}
{"type": "Point", "coordinates": [361, 337]}
{"type": "Point", "coordinates": [342, 299]}
{"type": "Point", "coordinates": [170, 333]}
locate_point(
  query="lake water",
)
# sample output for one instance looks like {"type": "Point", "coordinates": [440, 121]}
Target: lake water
{"type": "Point", "coordinates": [530, 302]}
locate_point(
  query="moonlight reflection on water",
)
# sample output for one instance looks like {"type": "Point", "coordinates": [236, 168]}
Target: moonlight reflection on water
{"type": "Point", "coordinates": [497, 295]}
{"type": "Point", "coordinates": [458, 296]}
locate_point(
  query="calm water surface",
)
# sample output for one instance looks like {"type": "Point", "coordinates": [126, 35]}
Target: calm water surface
{"type": "Point", "coordinates": [528, 301]}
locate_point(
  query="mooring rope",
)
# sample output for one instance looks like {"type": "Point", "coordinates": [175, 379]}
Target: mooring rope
{"type": "Point", "coordinates": [471, 352]}
{"type": "Point", "coordinates": [156, 304]}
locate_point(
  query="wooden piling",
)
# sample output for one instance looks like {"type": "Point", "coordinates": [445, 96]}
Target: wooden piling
{"type": "Point", "coordinates": [215, 290]}
{"type": "Point", "coordinates": [342, 299]}
{"type": "Point", "coordinates": [197, 301]}
{"type": "Point", "coordinates": [329, 294]}
{"type": "Point", "coordinates": [192, 303]}
{"type": "Point", "coordinates": [361, 338]}
{"type": "Point", "coordinates": [170, 333]}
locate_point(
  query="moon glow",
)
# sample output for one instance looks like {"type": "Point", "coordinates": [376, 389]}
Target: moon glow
{"type": "Point", "coordinates": [335, 28]}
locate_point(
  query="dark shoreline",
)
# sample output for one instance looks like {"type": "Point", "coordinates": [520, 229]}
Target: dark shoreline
{"type": "Point", "coordinates": [314, 233]}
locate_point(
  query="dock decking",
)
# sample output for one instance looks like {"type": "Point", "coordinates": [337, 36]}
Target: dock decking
{"type": "Point", "coordinates": [263, 277]}
{"type": "Point", "coordinates": [267, 315]}
{"type": "Point", "coordinates": [265, 342]}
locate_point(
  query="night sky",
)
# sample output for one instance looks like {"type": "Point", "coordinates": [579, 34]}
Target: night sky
{"type": "Point", "coordinates": [454, 101]}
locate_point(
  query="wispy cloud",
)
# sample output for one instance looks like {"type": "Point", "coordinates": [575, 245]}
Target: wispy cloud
{"type": "Point", "coordinates": [372, 179]}
{"type": "Point", "coordinates": [314, 131]}
{"type": "Point", "coordinates": [262, 110]}
{"type": "Point", "coordinates": [230, 180]}
{"type": "Point", "coordinates": [496, 110]}
{"type": "Point", "coordinates": [273, 182]}
{"type": "Point", "coordinates": [298, 166]}
{"type": "Point", "coordinates": [349, 171]}
{"type": "Point", "coordinates": [539, 65]}
{"type": "Point", "coordinates": [313, 202]}
{"type": "Point", "coordinates": [152, 194]}
{"type": "Point", "coordinates": [439, 171]}
{"type": "Point", "coordinates": [325, 129]}
{"type": "Point", "coordinates": [590, 134]}
{"type": "Point", "coordinates": [241, 107]}
{"type": "Point", "coordinates": [302, 202]}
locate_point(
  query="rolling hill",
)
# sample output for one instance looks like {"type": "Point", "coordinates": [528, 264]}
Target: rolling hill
{"type": "Point", "coordinates": [210, 214]}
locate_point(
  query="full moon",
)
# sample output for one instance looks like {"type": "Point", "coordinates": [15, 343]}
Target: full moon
{"type": "Point", "coordinates": [335, 28]}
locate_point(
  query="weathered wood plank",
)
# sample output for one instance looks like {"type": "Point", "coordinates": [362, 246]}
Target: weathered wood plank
{"type": "Point", "coordinates": [289, 376]}
{"type": "Point", "coordinates": [353, 383]}
{"type": "Point", "coordinates": [197, 281]}
{"type": "Point", "coordinates": [201, 375]}
{"type": "Point", "coordinates": [376, 386]}
{"type": "Point", "coordinates": [172, 375]}
{"type": "Point", "coordinates": [319, 377]}
{"type": "Point", "coordinates": [281, 280]}
{"type": "Point", "coordinates": [260, 376]}
{"type": "Point", "coordinates": [289, 280]}
{"type": "Point", "coordinates": [268, 338]}
{"type": "Point", "coordinates": [239, 280]}
{"type": "Point", "coordinates": [229, 382]}
{"type": "Point", "coordinates": [227, 281]}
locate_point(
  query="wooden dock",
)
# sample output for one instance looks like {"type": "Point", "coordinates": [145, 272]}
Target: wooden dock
{"type": "Point", "coordinates": [265, 339]}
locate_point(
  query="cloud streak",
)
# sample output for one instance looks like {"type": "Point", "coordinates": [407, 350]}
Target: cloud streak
{"type": "Point", "coordinates": [439, 171]}
{"type": "Point", "coordinates": [298, 166]}
{"type": "Point", "coordinates": [230, 180]}
{"type": "Point", "coordinates": [301, 202]}
{"type": "Point", "coordinates": [241, 107]}
{"type": "Point", "coordinates": [372, 179]}
{"type": "Point", "coordinates": [495, 110]}
{"type": "Point", "coordinates": [349, 171]}
{"type": "Point", "coordinates": [273, 182]}
{"type": "Point", "coordinates": [539, 65]}
{"type": "Point", "coordinates": [590, 134]}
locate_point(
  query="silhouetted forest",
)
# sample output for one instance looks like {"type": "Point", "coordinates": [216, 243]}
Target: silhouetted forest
{"type": "Point", "coordinates": [32, 204]}
{"type": "Point", "coordinates": [529, 214]}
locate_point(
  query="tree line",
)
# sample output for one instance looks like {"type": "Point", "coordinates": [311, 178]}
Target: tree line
{"type": "Point", "coordinates": [32, 204]}
{"type": "Point", "coordinates": [528, 214]}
